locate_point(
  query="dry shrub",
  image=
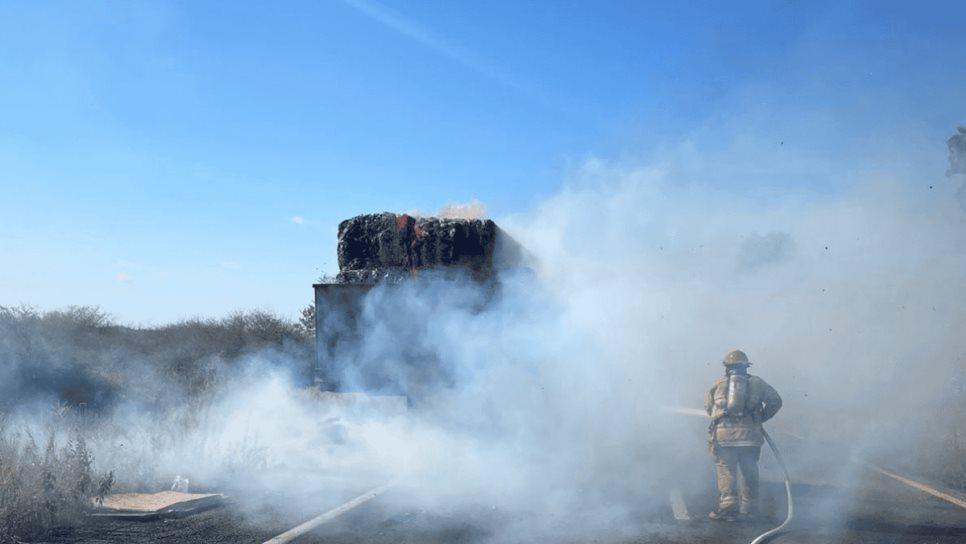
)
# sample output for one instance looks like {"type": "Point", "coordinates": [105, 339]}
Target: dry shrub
{"type": "Point", "coordinates": [45, 489]}
{"type": "Point", "coordinates": [78, 355]}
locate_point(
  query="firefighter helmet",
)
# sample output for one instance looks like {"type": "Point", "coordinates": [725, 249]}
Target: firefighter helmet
{"type": "Point", "coordinates": [736, 357]}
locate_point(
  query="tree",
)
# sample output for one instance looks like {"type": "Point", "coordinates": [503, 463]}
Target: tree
{"type": "Point", "coordinates": [307, 321]}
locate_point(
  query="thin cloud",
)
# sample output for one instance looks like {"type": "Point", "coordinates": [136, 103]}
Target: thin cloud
{"type": "Point", "coordinates": [409, 28]}
{"type": "Point", "coordinates": [297, 219]}
{"type": "Point", "coordinates": [420, 34]}
{"type": "Point", "coordinates": [122, 277]}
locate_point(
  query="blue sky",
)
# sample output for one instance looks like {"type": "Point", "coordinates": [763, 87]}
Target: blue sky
{"type": "Point", "coordinates": [153, 155]}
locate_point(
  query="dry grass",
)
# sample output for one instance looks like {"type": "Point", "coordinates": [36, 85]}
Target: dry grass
{"type": "Point", "coordinates": [41, 489]}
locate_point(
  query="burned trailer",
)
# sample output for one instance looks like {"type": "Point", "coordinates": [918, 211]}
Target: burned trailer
{"type": "Point", "coordinates": [369, 335]}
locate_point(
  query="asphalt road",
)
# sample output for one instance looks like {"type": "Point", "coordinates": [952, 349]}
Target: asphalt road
{"type": "Point", "coordinates": [877, 510]}
{"type": "Point", "coordinates": [836, 501]}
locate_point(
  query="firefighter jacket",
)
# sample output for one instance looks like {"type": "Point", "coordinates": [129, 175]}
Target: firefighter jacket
{"type": "Point", "coordinates": [728, 431]}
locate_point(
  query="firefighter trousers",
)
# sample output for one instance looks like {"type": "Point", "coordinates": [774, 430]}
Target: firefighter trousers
{"type": "Point", "coordinates": [737, 467]}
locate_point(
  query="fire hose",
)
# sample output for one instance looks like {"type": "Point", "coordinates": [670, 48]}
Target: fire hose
{"type": "Point", "coordinates": [766, 536]}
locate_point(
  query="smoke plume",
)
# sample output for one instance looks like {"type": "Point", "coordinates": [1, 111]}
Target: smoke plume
{"type": "Point", "coordinates": [546, 393]}
{"type": "Point", "coordinates": [848, 303]}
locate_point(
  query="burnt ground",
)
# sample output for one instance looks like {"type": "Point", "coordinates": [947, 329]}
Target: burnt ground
{"type": "Point", "coordinates": [873, 509]}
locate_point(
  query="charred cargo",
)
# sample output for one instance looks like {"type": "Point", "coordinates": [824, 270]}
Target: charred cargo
{"type": "Point", "coordinates": [389, 251]}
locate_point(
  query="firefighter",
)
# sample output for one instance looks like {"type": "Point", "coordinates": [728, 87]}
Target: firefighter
{"type": "Point", "coordinates": [738, 403]}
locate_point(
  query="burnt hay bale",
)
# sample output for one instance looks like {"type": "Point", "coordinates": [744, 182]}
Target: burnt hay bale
{"type": "Point", "coordinates": [375, 246]}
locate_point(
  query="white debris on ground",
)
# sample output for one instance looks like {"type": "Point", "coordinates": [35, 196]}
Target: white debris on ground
{"type": "Point", "coordinates": [151, 502]}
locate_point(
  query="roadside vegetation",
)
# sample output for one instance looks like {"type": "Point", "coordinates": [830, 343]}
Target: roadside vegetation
{"type": "Point", "coordinates": [81, 357]}
{"type": "Point", "coordinates": [45, 487]}
{"type": "Point", "coordinates": [64, 372]}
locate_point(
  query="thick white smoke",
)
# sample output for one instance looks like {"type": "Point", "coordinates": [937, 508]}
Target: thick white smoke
{"type": "Point", "coordinates": [849, 303]}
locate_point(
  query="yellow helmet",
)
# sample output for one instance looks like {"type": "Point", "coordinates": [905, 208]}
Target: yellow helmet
{"type": "Point", "coordinates": [736, 357]}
